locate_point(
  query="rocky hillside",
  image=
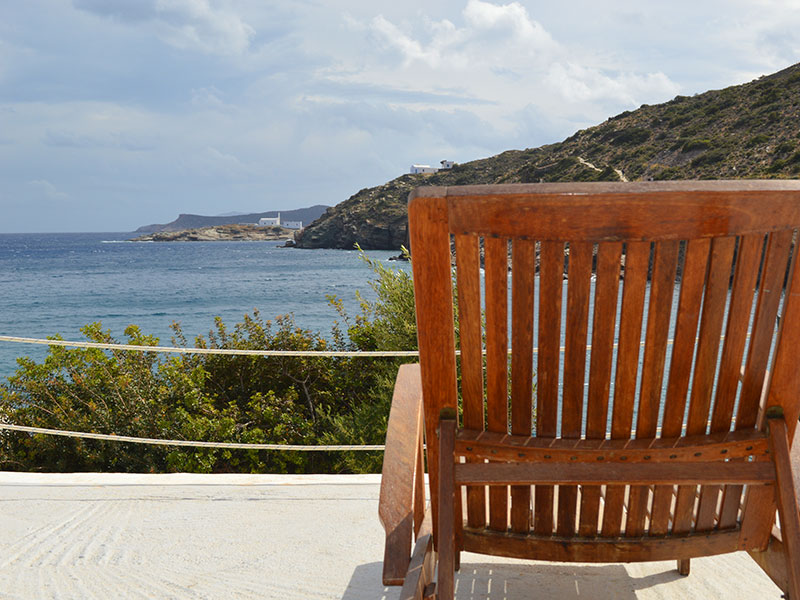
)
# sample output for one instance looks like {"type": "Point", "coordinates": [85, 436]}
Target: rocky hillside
{"type": "Point", "coordinates": [220, 233]}
{"type": "Point", "coordinates": [189, 221]}
{"type": "Point", "coordinates": [745, 131]}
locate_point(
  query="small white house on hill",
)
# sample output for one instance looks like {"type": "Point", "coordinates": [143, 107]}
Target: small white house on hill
{"type": "Point", "coordinates": [446, 164]}
{"type": "Point", "coordinates": [292, 224]}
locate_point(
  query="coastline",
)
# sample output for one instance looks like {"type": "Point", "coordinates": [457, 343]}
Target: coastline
{"type": "Point", "coordinates": [220, 233]}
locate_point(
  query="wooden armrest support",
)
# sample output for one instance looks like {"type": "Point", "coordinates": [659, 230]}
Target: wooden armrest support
{"type": "Point", "coordinates": [779, 559]}
{"type": "Point", "coordinates": [401, 460]}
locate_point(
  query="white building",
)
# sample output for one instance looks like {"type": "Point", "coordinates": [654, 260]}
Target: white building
{"type": "Point", "coordinates": [446, 164]}
{"type": "Point", "coordinates": [270, 221]}
{"type": "Point", "coordinates": [276, 222]}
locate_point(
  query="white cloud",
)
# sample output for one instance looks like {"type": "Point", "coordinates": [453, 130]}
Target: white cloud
{"type": "Point", "coordinates": [47, 190]}
{"type": "Point", "coordinates": [502, 60]}
{"type": "Point", "coordinates": [186, 24]}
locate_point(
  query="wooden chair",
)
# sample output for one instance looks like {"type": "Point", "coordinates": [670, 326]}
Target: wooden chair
{"type": "Point", "coordinates": [647, 413]}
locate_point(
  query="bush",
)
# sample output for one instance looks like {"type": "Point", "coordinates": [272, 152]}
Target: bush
{"type": "Point", "coordinates": [630, 135]}
{"type": "Point", "coordinates": [283, 399]}
{"type": "Point", "coordinates": [696, 144]}
{"type": "Point", "coordinates": [709, 158]}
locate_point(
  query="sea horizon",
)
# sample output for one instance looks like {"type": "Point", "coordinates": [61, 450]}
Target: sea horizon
{"type": "Point", "coordinates": [55, 283]}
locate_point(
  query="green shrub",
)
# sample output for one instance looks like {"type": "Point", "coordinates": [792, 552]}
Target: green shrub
{"type": "Point", "coordinates": [206, 397]}
{"type": "Point", "coordinates": [630, 135]}
{"type": "Point", "coordinates": [709, 158]}
{"type": "Point", "coordinates": [696, 144]}
{"type": "Point", "coordinates": [757, 140]}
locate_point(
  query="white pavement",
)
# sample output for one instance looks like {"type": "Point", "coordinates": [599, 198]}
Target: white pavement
{"type": "Point", "coordinates": [272, 536]}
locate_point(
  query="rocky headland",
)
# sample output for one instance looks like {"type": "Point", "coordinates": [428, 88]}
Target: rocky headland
{"type": "Point", "coordinates": [190, 221]}
{"type": "Point", "coordinates": [743, 131]}
{"type": "Point", "coordinates": [220, 233]}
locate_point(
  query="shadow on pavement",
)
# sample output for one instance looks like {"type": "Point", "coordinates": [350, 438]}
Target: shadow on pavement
{"type": "Point", "coordinates": [516, 581]}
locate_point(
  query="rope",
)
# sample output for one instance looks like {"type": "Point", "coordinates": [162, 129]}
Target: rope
{"type": "Point", "coordinates": [229, 351]}
{"type": "Point", "coordinates": [154, 441]}
{"type": "Point", "coordinates": [235, 352]}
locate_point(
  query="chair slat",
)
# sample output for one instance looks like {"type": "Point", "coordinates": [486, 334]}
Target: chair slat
{"type": "Point", "coordinates": [769, 296]}
{"type": "Point", "coordinates": [496, 266]}
{"type": "Point", "coordinates": [637, 256]}
{"type": "Point", "coordinates": [689, 303]}
{"type": "Point", "coordinates": [523, 266]}
{"type": "Point", "coordinates": [603, 326]}
{"type": "Point", "coordinates": [665, 263]}
{"type": "Point", "coordinates": [576, 326]}
{"type": "Point", "coordinates": [719, 273]}
{"type": "Point", "coordinates": [433, 299]}
{"type": "Point", "coordinates": [471, 343]}
{"type": "Point", "coordinates": [785, 379]}
{"type": "Point", "coordinates": [741, 303]}
{"type": "Point", "coordinates": [551, 276]}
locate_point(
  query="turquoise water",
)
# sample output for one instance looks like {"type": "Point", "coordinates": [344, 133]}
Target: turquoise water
{"type": "Point", "coordinates": [56, 283]}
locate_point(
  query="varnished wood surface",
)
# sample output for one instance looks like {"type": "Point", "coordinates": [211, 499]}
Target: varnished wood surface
{"type": "Point", "coordinates": [396, 506]}
{"type": "Point", "coordinates": [551, 273]}
{"type": "Point", "coordinates": [609, 256]}
{"type": "Point", "coordinates": [760, 506]}
{"type": "Point", "coordinates": [422, 564]}
{"type": "Point", "coordinates": [698, 448]}
{"type": "Point", "coordinates": [689, 307]}
{"type": "Point", "coordinates": [637, 258]}
{"type": "Point", "coordinates": [616, 473]}
{"type": "Point", "coordinates": [787, 501]}
{"type": "Point", "coordinates": [496, 262]}
{"type": "Point", "coordinates": [665, 264]}
{"type": "Point", "coordinates": [471, 344]}
{"type": "Point", "coordinates": [670, 492]}
{"type": "Point", "coordinates": [522, 296]}
{"type": "Point", "coordinates": [645, 210]}
{"type": "Point", "coordinates": [447, 491]}
{"type": "Point", "coordinates": [433, 300]}
{"type": "Point", "coordinates": [619, 549]}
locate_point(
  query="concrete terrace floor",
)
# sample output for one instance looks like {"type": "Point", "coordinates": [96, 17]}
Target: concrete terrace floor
{"type": "Point", "coordinates": [267, 536]}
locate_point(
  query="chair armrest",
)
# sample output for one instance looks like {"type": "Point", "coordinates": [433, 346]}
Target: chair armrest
{"type": "Point", "coordinates": [400, 465]}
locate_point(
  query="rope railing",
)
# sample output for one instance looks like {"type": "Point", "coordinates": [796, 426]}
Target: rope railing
{"type": "Point", "coordinates": [183, 350]}
{"type": "Point", "coordinates": [242, 352]}
{"type": "Point", "coordinates": [228, 351]}
{"type": "Point", "coordinates": [195, 444]}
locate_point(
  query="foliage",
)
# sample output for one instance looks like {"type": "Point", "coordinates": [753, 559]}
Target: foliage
{"type": "Point", "coordinates": [206, 397]}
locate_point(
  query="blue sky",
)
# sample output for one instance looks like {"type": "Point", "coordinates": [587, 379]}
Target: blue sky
{"type": "Point", "coordinates": [118, 113]}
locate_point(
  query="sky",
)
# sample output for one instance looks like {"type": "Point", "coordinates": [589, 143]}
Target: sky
{"type": "Point", "coordinates": [120, 113]}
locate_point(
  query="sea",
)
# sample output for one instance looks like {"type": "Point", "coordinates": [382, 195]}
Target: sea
{"type": "Point", "coordinates": [55, 283]}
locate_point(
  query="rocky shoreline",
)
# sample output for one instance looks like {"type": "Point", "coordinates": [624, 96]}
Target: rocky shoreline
{"type": "Point", "coordinates": [220, 233]}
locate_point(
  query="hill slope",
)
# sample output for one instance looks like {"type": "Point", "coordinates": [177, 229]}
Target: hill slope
{"type": "Point", "coordinates": [745, 131]}
{"type": "Point", "coordinates": [189, 221]}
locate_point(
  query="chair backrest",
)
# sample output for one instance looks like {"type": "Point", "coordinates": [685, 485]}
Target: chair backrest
{"type": "Point", "coordinates": [632, 311]}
